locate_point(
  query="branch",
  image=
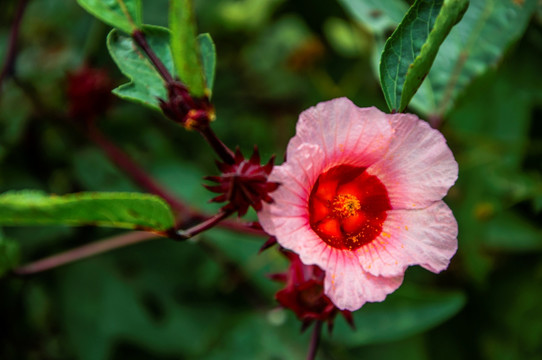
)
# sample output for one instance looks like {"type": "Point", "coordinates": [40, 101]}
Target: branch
{"type": "Point", "coordinates": [113, 243]}
{"type": "Point", "coordinates": [218, 146]}
{"type": "Point", "coordinates": [126, 164]}
{"type": "Point", "coordinates": [201, 227]}
{"type": "Point", "coordinates": [84, 251]}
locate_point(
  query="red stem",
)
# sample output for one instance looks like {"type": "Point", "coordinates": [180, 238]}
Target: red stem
{"type": "Point", "coordinates": [126, 239]}
{"type": "Point", "coordinates": [315, 340]}
{"type": "Point", "coordinates": [205, 225]}
{"type": "Point", "coordinates": [125, 163]}
{"type": "Point", "coordinates": [218, 146]}
{"type": "Point", "coordinates": [83, 252]}
{"type": "Point", "coordinates": [139, 38]}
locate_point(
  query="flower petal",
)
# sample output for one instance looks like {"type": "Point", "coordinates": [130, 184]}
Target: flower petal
{"type": "Point", "coordinates": [418, 168]}
{"type": "Point", "coordinates": [291, 198]}
{"type": "Point", "coordinates": [344, 132]}
{"type": "Point", "coordinates": [427, 237]}
{"type": "Point", "coordinates": [349, 287]}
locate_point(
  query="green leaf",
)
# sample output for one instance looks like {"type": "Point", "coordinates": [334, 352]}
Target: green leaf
{"type": "Point", "coordinates": [146, 85]}
{"type": "Point", "coordinates": [379, 16]}
{"type": "Point", "coordinates": [208, 59]}
{"type": "Point", "coordinates": [411, 49]}
{"type": "Point", "coordinates": [9, 254]}
{"type": "Point", "coordinates": [124, 15]}
{"type": "Point", "coordinates": [406, 312]}
{"type": "Point", "coordinates": [474, 45]}
{"type": "Point", "coordinates": [121, 210]}
{"type": "Point", "coordinates": [186, 53]}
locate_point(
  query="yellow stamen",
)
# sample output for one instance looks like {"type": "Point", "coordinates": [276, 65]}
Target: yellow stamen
{"type": "Point", "coordinates": [345, 205]}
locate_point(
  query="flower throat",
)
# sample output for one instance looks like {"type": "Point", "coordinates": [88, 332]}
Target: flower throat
{"type": "Point", "coordinates": [347, 207]}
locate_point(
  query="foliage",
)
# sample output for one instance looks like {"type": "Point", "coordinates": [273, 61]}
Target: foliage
{"type": "Point", "coordinates": [121, 210]}
{"type": "Point", "coordinates": [146, 85]}
{"type": "Point", "coordinates": [411, 49]}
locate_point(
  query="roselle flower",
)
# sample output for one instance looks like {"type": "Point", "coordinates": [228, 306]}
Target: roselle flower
{"type": "Point", "coordinates": [361, 197]}
{"type": "Point", "coordinates": [304, 293]}
{"type": "Point", "coordinates": [244, 183]}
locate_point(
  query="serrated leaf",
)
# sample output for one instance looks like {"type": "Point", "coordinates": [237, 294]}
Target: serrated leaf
{"type": "Point", "coordinates": [208, 59]}
{"type": "Point", "coordinates": [474, 45]}
{"type": "Point", "coordinates": [406, 312]}
{"type": "Point", "coordinates": [185, 47]}
{"type": "Point", "coordinates": [120, 210]}
{"type": "Point", "coordinates": [146, 85]}
{"type": "Point", "coordinates": [124, 15]}
{"type": "Point", "coordinates": [413, 46]}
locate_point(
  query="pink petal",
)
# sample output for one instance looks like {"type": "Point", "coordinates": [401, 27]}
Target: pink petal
{"type": "Point", "coordinates": [296, 178]}
{"type": "Point", "coordinates": [426, 237]}
{"type": "Point", "coordinates": [344, 133]}
{"type": "Point", "coordinates": [349, 287]}
{"type": "Point", "coordinates": [418, 168]}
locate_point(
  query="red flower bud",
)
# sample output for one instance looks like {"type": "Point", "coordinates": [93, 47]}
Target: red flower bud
{"type": "Point", "coordinates": [181, 107]}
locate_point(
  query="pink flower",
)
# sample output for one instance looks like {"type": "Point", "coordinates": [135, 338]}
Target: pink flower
{"type": "Point", "coordinates": [361, 197]}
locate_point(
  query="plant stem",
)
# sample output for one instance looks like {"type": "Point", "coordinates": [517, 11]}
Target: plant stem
{"type": "Point", "coordinates": [139, 38]}
{"type": "Point", "coordinates": [130, 238]}
{"type": "Point", "coordinates": [125, 163]}
{"type": "Point", "coordinates": [9, 64]}
{"type": "Point", "coordinates": [218, 146]}
{"type": "Point", "coordinates": [205, 225]}
{"type": "Point", "coordinates": [315, 340]}
{"type": "Point", "coordinates": [84, 251]}
{"type": "Point", "coordinates": [120, 158]}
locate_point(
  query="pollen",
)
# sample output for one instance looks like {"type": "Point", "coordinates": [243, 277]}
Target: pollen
{"type": "Point", "coordinates": [345, 205]}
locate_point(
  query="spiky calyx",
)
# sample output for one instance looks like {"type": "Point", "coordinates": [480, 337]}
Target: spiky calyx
{"type": "Point", "coordinates": [244, 183]}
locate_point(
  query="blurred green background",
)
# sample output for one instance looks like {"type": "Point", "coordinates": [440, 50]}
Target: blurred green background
{"type": "Point", "coordinates": [210, 299]}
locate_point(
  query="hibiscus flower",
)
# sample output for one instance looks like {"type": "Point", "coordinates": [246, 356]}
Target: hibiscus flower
{"type": "Point", "coordinates": [361, 197]}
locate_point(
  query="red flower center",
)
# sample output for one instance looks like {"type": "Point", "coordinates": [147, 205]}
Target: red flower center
{"type": "Point", "coordinates": [347, 207]}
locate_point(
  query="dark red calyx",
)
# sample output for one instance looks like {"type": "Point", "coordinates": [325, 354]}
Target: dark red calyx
{"type": "Point", "coordinates": [181, 107]}
{"type": "Point", "coordinates": [243, 184]}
